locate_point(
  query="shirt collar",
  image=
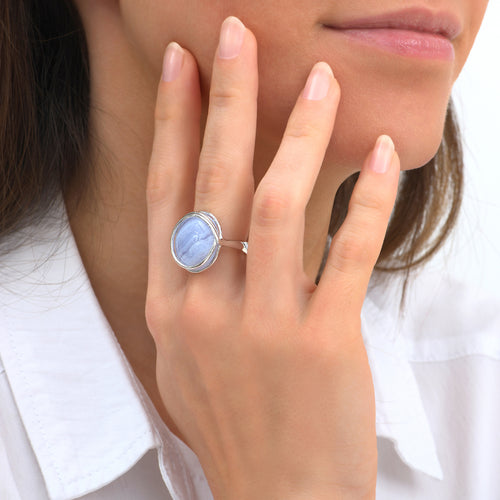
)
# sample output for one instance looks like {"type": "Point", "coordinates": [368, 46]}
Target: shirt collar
{"type": "Point", "coordinates": [400, 412]}
{"type": "Point", "coordinates": [85, 412]}
{"type": "Point", "coordinates": [88, 418]}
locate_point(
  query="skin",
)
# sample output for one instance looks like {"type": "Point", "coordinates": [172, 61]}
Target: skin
{"type": "Point", "coordinates": [404, 98]}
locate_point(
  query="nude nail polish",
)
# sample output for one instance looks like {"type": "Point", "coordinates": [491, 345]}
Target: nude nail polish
{"type": "Point", "coordinates": [382, 155]}
{"type": "Point", "coordinates": [231, 38]}
{"type": "Point", "coordinates": [318, 83]}
{"type": "Point", "coordinates": [172, 62]}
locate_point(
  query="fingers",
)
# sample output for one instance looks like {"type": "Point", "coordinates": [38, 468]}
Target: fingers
{"type": "Point", "coordinates": [174, 162]}
{"type": "Point", "coordinates": [277, 227]}
{"type": "Point", "coordinates": [357, 244]}
{"type": "Point", "coordinates": [224, 184]}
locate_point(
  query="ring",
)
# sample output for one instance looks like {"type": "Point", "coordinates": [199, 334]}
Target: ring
{"type": "Point", "coordinates": [196, 241]}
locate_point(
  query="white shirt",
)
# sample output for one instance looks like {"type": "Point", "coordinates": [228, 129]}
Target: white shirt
{"type": "Point", "coordinates": [76, 422]}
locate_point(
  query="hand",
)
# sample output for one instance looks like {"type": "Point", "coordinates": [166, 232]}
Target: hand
{"type": "Point", "coordinates": [264, 374]}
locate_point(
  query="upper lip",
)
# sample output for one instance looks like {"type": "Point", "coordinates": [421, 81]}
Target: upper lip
{"type": "Point", "coordinates": [413, 19]}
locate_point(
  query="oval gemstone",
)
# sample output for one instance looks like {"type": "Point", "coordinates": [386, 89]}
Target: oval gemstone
{"type": "Point", "coordinates": [194, 241]}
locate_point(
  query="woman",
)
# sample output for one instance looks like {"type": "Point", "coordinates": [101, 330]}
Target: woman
{"type": "Point", "coordinates": [259, 364]}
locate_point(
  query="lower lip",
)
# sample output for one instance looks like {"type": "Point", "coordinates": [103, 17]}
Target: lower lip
{"type": "Point", "coordinates": [404, 42]}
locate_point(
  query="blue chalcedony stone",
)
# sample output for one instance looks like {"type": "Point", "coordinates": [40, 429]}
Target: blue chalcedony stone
{"type": "Point", "coordinates": [194, 241]}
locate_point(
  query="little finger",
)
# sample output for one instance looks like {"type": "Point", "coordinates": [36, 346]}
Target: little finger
{"type": "Point", "coordinates": [357, 244]}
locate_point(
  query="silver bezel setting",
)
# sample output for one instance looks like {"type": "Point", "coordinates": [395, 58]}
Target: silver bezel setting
{"type": "Point", "coordinates": [211, 221]}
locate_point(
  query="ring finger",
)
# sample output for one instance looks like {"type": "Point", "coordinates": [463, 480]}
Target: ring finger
{"type": "Point", "coordinates": [173, 165]}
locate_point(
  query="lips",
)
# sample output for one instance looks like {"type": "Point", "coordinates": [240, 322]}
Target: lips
{"type": "Point", "coordinates": [419, 20]}
{"type": "Point", "coordinates": [417, 33]}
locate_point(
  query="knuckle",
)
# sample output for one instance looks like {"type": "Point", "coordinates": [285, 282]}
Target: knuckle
{"type": "Point", "coordinates": [157, 316]}
{"type": "Point", "coordinates": [164, 113]}
{"type": "Point", "coordinates": [212, 175]}
{"type": "Point", "coordinates": [302, 130]}
{"type": "Point", "coordinates": [370, 201]}
{"type": "Point", "coordinates": [349, 249]}
{"type": "Point", "coordinates": [225, 97]}
{"type": "Point", "coordinates": [157, 186]}
{"type": "Point", "coordinates": [272, 206]}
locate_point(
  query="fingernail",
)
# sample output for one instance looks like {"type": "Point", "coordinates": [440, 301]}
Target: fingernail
{"type": "Point", "coordinates": [318, 83]}
{"type": "Point", "coordinates": [172, 62]}
{"type": "Point", "coordinates": [231, 38]}
{"type": "Point", "coordinates": [382, 154]}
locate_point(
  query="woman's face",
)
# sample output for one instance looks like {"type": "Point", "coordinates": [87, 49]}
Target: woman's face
{"type": "Point", "coordinates": [393, 81]}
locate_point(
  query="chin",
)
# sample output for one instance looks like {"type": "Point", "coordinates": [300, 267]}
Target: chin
{"type": "Point", "coordinates": [415, 127]}
{"type": "Point", "coordinates": [348, 151]}
{"type": "Point", "coordinates": [417, 153]}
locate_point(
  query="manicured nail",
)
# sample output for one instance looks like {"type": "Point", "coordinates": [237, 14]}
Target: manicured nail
{"type": "Point", "coordinates": [382, 154]}
{"type": "Point", "coordinates": [319, 81]}
{"type": "Point", "coordinates": [172, 62]}
{"type": "Point", "coordinates": [231, 38]}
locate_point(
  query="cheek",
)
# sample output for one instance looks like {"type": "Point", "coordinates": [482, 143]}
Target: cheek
{"type": "Point", "coordinates": [151, 24]}
{"type": "Point", "coordinates": [404, 99]}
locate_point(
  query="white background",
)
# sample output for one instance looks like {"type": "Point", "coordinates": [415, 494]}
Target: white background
{"type": "Point", "coordinates": [473, 254]}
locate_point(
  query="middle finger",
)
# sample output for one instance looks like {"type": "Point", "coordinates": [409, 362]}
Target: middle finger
{"type": "Point", "coordinates": [224, 185]}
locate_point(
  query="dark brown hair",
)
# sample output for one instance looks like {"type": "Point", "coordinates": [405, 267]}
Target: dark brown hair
{"type": "Point", "coordinates": [44, 107]}
{"type": "Point", "coordinates": [427, 205]}
{"type": "Point", "coordinates": [44, 137]}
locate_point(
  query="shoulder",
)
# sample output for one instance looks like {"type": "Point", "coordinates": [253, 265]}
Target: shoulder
{"type": "Point", "coordinates": [448, 335]}
{"type": "Point", "coordinates": [451, 320]}
{"type": "Point", "coordinates": [442, 319]}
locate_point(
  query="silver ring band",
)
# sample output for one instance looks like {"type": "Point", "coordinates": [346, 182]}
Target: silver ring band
{"type": "Point", "coordinates": [197, 239]}
{"type": "Point", "coordinates": [239, 245]}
